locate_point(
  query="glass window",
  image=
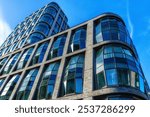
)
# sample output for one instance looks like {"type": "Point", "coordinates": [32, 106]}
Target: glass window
{"type": "Point", "coordinates": [51, 11]}
{"type": "Point", "coordinates": [26, 86]}
{"type": "Point", "coordinates": [106, 35]}
{"type": "Point", "coordinates": [35, 37]}
{"type": "Point", "coordinates": [110, 28]}
{"type": "Point", "coordinates": [59, 20]}
{"type": "Point", "coordinates": [21, 43]}
{"type": "Point", "coordinates": [105, 24]}
{"type": "Point", "coordinates": [134, 79]}
{"type": "Point", "coordinates": [57, 47]}
{"type": "Point", "coordinates": [78, 40]}
{"type": "Point", "coordinates": [108, 49]}
{"type": "Point", "coordinates": [111, 76]}
{"type": "Point", "coordinates": [98, 33]}
{"type": "Point", "coordinates": [39, 55]}
{"type": "Point", "coordinates": [1, 82]}
{"type": "Point", "coordinates": [2, 62]}
{"type": "Point", "coordinates": [10, 63]}
{"type": "Point", "coordinates": [99, 58]}
{"type": "Point", "coordinates": [73, 75]}
{"type": "Point", "coordinates": [47, 18]}
{"type": "Point", "coordinates": [43, 28]}
{"type": "Point", "coordinates": [114, 35]}
{"type": "Point", "coordinates": [53, 4]}
{"type": "Point", "coordinates": [141, 84]}
{"type": "Point", "coordinates": [100, 80]}
{"type": "Point", "coordinates": [8, 89]}
{"type": "Point", "coordinates": [56, 29]}
{"type": "Point", "coordinates": [123, 77]}
{"type": "Point", "coordinates": [24, 59]}
{"type": "Point", "coordinates": [48, 81]}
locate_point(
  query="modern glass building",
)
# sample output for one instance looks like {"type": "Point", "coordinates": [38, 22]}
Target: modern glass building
{"type": "Point", "coordinates": [93, 60]}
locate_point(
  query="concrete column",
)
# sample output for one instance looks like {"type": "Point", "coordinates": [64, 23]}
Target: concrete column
{"type": "Point", "coordinates": [61, 68]}
{"type": "Point", "coordinates": [88, 68]}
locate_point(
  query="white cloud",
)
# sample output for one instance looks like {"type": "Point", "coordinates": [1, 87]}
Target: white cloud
{"type": "Point", "coordinates": [129, 20]}
{"type": "Point", "coordinates": [5, 29]}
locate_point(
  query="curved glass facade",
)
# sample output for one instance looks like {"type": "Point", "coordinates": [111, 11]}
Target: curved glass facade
{"type": "Point", "coordinates": [78, 39]}
{"type": "Point", "coordinates": [57, 47]}
{"type": "Point", "coordinates": [47, 18]}
{"type": "Point", "coordinates": [10, 63]}
{"type": "Point", "coordinates": [26, 85]}
{"type": "Point", "coordinates": [48, 81]}
{"type": "Point", "coordinates": [51, 11]}
{"type": "Point", "coordinates": [112, 68]}
{"type": "Point", "coordinates": [2, 62]}
{"type": "Point", "coordinates": [1, 82]}
{"type": "Point", "coordinates": [43, 28]}
{"type": "Point", "coordinates": [8, 89]}
{"type": "Point", "coordinates": [39, 54]}
{"type": "Point", "coordinates": [24, 59]}
{"type": "Point", "coordinates": [35, 37]}
{"type": "Point", "coordinates": [116, 65]}
{"type": "Point", "coordinates": [111, 28]}
{"type": "Point", "coordinates": [73, 76]}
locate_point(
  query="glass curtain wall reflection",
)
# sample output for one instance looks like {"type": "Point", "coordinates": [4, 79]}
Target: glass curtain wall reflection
{"type": "Point", "coordinates": [8, 89]}
{"type": "Point", "coordinates": [73, 76]}
{"type": "Point", "coordinates": [48, 81]}
{"type": "Point", "coordinates": [26, 85]}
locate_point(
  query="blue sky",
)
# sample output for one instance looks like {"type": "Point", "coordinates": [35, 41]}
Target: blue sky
{"type": "Point", "coordinates": [135, 13]}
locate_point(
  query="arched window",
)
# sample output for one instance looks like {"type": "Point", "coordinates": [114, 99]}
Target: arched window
{"type": "Point", "coordinates": [39, 55]}
{"type": "Point", "coordinates": [57, 47]}
{"type": "Point", "coordinates": [26, 86]}
{"type": "Point", "coordinates": [78, 40]}
{"type": "Point", "coordinates": [73, 75]}
{"type": "Point", "coordinates": [8, 89]}
{"type": "Point", "coordinates": [25, 57]}
{"type": "Point", "coordinates": [48, 81]}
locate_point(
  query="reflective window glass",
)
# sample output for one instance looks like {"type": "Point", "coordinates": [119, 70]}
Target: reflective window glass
{"type": "Point", "coordinates": [43, 28]}
{"type": "Point", "coordinates": [8, 89]}
{"type": "Point", "coordinates": [111, 76]}
{"type": "Point", "coordinates": [39, 55]}
{"type": "Point", "coordinates": [26, 86]}
{"type": "Point", "coordinates": [73, 76]}
{"type": "Point", "coordinates": [24, 59]}
{"type": "Point", "coordinates": [78, 40]}
{"type": "Point", "coordinates": [48, 81]}
{"type": "Point", "coordinates": [10, 63]}
{"type": "Point", "coordinates": [57, 47]}
{"type": "Point", "coordinates": [47, 18]}
{"type": "Point", "coordinates": [1, 82]}
{"type": "Point", "coordinates": [35, 37]}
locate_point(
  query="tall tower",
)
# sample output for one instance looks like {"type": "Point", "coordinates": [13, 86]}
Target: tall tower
{"type": "Point", "coordinates": [93, 60]}
{"type": "Point", "coordinates": [41, 24]}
